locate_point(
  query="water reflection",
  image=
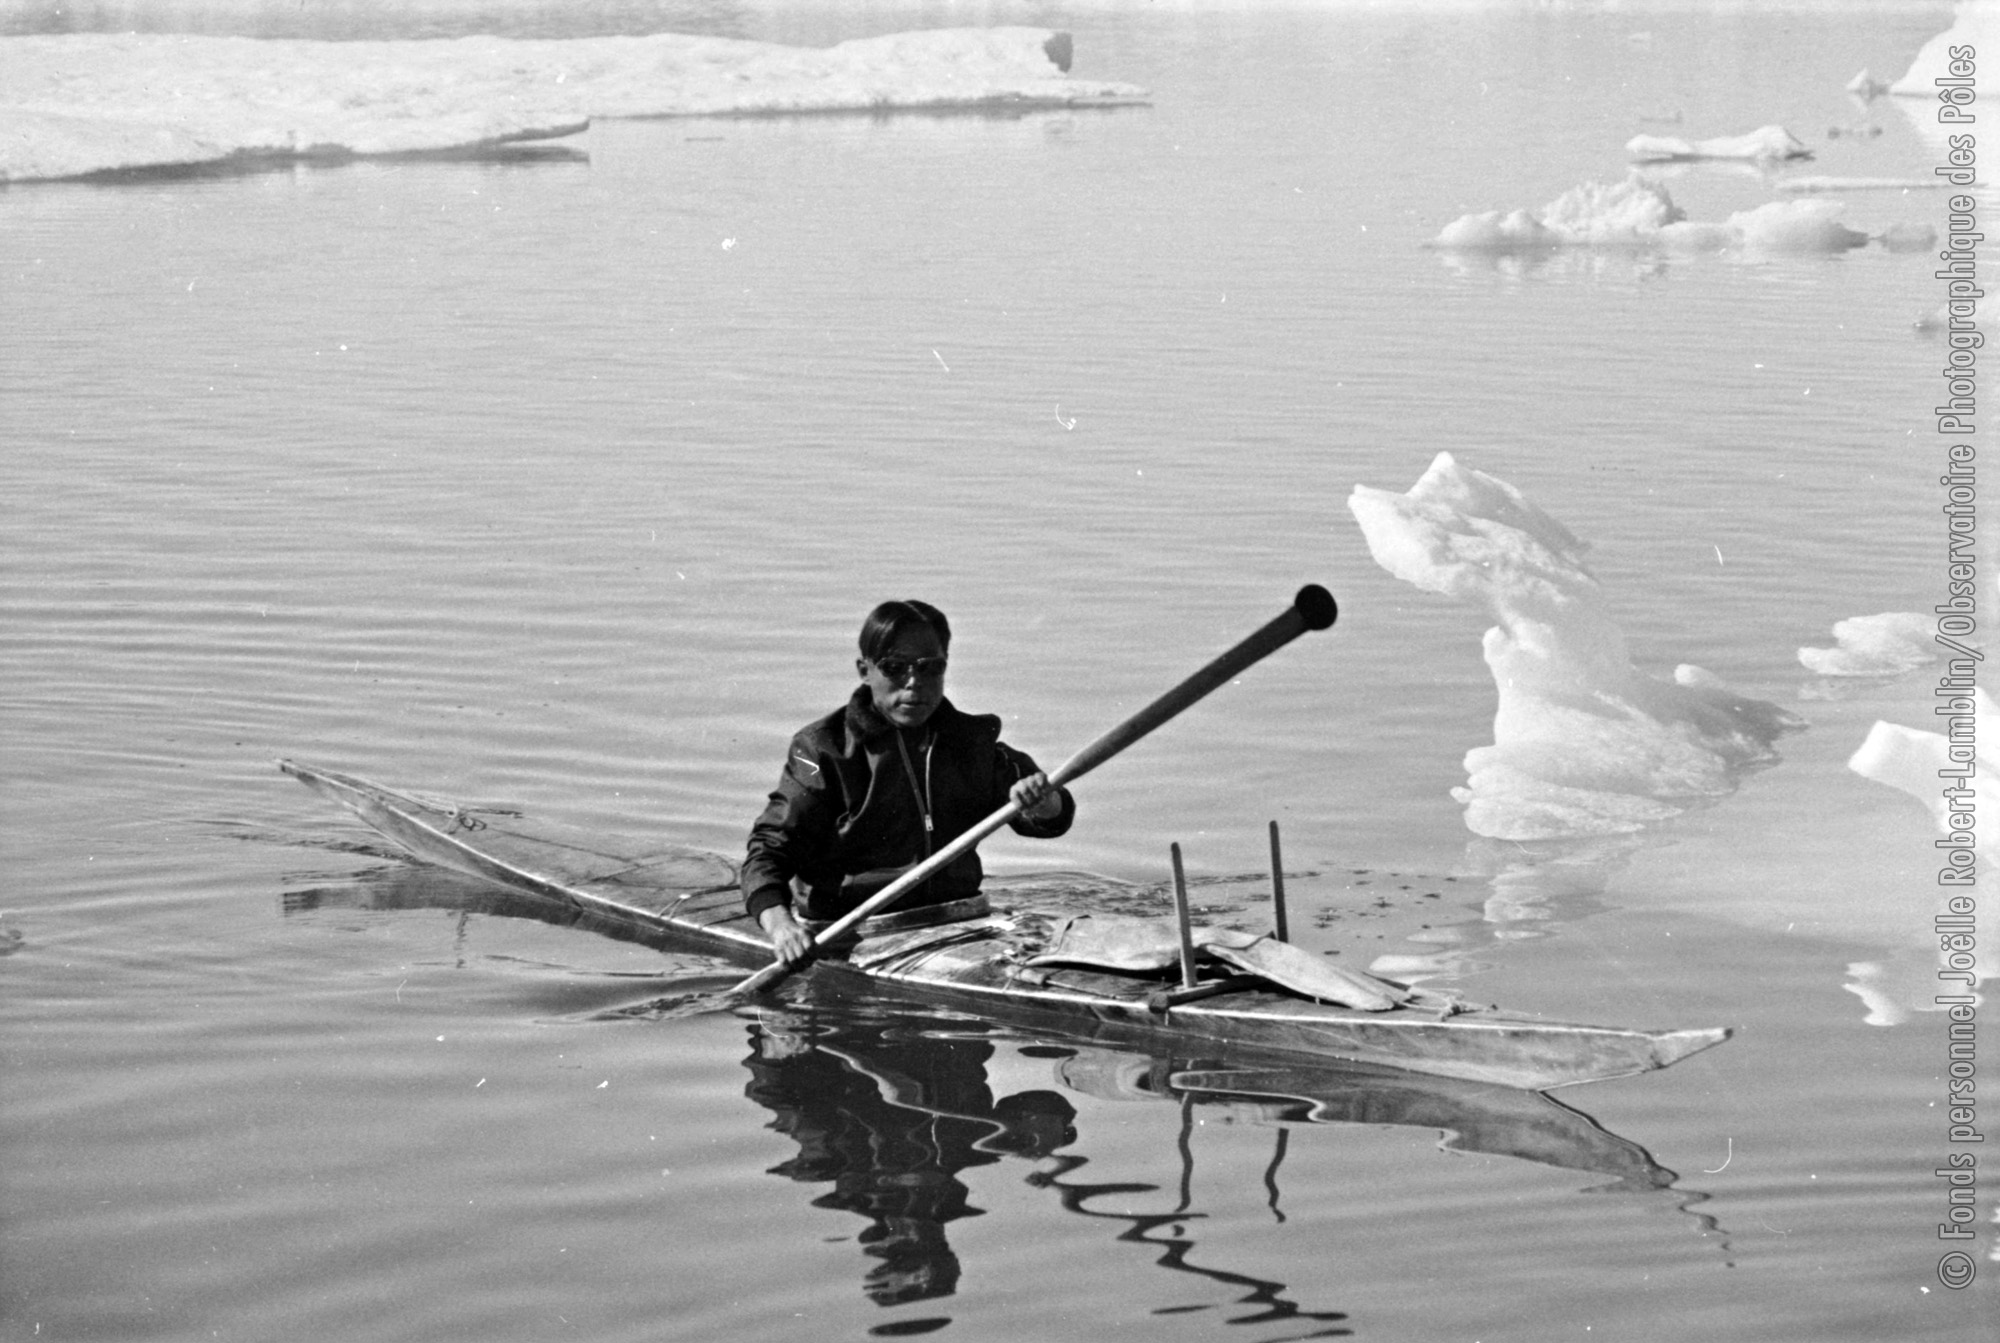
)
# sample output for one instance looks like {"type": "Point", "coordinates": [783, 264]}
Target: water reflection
{"type": "Point", "coordinates": [888, 1111]}
{"type": "Point", "coordinates": [402, 886]}
{"type": "Point", "coordinates": [1168, 1232]}
{"type": "Point", "coordinates": [888, 1117]}
{"type": "Point", "coordinates": [890, 1106]}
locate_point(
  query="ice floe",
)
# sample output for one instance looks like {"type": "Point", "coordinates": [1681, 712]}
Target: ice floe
{"type": "Point", "coordinates": [1584, 742]}
{"type": "Point", "coordinates": [1817, 183]}
{"type": "Point", "coordinates": [1638, 213]}
{"type": "Point", "coordinates": [75, 105]}
{"type": "Point", "coordinates": [1764, 143]}
{"type": "Point", "coordinates": [1884, 645]}
{"type": "Point", "coordinates": [1976, 24]}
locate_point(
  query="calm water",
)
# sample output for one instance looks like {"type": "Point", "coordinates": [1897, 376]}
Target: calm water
{"type": "Point", "coordinates": [561, 486]}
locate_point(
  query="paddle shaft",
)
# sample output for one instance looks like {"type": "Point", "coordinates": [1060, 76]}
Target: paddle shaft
{"type": "Point", "coordinates": [1312, 609]}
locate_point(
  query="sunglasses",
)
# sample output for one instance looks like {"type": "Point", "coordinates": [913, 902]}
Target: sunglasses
{"type": "Point", "coordinates": [899, 670]}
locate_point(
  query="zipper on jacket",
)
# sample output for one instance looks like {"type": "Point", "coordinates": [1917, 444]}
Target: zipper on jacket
{"type": "Point", "coordinates": [921, 790]}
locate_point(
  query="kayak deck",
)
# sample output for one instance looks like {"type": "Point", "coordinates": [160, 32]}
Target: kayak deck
{"type": "Point", "coordinates": [690, 900]}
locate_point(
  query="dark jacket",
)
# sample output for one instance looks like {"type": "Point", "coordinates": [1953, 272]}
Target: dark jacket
{"type": "Point", "coordinates": [848, 815]}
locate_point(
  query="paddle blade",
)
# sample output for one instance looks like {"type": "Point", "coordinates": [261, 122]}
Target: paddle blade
{"type": "Point", "coordinates": [708, 995]}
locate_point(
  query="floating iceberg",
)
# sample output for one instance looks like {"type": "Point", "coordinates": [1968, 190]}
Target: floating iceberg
{"type": "Point", "coordinates": [1584, 743]}
{"type": "Point", "coordinates": [1884, 645]}
{"type": "Point", "coordinates": [81, 104]}
{"type": "Point", "coordinates": [1640, 214]}
{"type": "Point", "coordinates": [1764, 143]}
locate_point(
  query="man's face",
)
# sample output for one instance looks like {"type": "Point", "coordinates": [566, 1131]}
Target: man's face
{"type": "Point", "coordinates": [907, 681]}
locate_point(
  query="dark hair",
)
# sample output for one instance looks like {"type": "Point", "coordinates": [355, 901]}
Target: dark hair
{"type": "Point", "coordinates": [885, 622]}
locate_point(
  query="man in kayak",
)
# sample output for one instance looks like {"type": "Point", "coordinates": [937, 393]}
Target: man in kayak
{"type": "Point", "coordinates": [875, 787]}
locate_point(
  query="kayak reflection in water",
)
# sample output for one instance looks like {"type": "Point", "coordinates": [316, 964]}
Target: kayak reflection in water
{"type": "Point", "coordinates": [888, 1110]}
{"type": "Point", "coordinates": [889, 1124]}
{"type": "Point", "coordinates": [876, 786]}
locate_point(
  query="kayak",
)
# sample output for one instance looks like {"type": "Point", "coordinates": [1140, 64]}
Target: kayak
{"type": "Point", "coordinates": [673, 897]}
{"type": "Point", "coordinates": [878, 1038]}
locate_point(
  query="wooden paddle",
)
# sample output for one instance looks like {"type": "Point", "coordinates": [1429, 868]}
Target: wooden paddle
{"type": "Point", "coordinates": [1312, 609]}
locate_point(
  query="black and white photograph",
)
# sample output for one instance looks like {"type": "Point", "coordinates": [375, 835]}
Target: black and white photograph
{"type": "Point", "coordinates": [1134, 671]}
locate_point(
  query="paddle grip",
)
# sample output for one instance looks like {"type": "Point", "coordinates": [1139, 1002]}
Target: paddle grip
{"type": "Point", "coordinates": [1313, 609]}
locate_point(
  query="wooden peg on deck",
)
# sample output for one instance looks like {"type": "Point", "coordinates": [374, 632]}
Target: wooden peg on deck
{"type": "Point", "coordinates": [1183, 916]}
{"type": "Point", "coordinates": [1279, 929]}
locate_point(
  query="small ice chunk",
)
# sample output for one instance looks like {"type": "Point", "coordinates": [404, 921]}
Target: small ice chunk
{"type": "Point", "coordinates": [1516, 231]}
{"type": "Point", "coordinates": [1924, 765]}
{"type": "Point", "coordinates": [1910, 760]}
{"type": "Point", "coordinates": [1590, 214]}
{"type": "Point", "coordinates": [1765, 143]}
{"type": "Point", "coordinates": [1630, 211]}
{"type": "Point", "coordinates": [1882, 645]}
{"type": "Point", "coordinates": [1908, 238]}
{"type": "Point", "coordinates": [1866, 980]}
{"type": "Point", "coordinates": [1866, 87]}
{"type": "Point", "coordinates": [1796, 228]}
